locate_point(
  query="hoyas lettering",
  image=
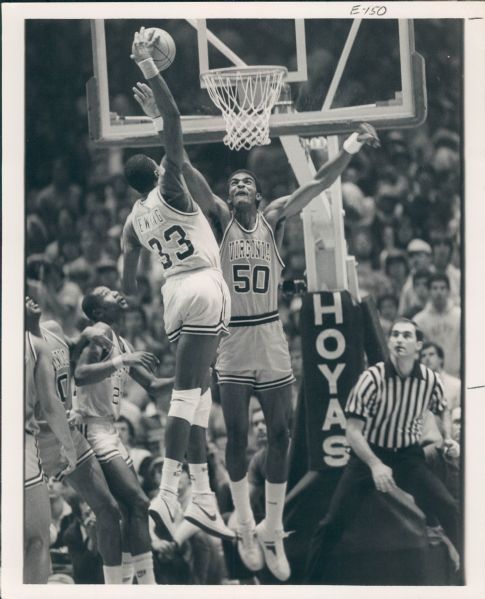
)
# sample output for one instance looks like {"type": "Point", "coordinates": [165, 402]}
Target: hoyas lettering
{"type": "Point", "coordinates": [249, 248]}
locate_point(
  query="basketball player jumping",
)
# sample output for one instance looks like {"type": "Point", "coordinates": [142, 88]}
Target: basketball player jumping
{"type": "Point", "coordinates": [166, 221]}
{"type": "Point", "coordinates": [255, 357]}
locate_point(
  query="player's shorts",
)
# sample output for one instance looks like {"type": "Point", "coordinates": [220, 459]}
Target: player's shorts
{"type": "Point", "coordinates": [53, 461]}
{"type": "Point", "coordinates": [103, 437]}
{"type": "Point", "coordinates": [196, 302]}
{"type": "Point", "coordinates": [34, 474]}
{"type": "Point", "coordinates": [255, 355]}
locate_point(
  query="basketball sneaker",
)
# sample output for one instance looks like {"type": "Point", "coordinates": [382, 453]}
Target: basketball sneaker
{"type": "Point", "coordinates": [163, 511]}
{"type": "Point", "coordinates": [274, 551]}
{"type": "Point", "coordinates": [204, 513]}
{"type": "Point", "coordinates": [248, 547]}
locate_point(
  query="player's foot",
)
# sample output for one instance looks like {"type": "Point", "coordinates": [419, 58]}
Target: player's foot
{"type": "Point", "coordinates": [248, 547]}
{"type": "Point", "coordinates": [271, 542]}
{"type": "Point", "coordinates": [163, 510]}
{"type": "Point", "coordinates": [204, 513]}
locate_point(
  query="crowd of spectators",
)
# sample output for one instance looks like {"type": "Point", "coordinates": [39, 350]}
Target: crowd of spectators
{"type": "Point", "coordinates": [403, 213]}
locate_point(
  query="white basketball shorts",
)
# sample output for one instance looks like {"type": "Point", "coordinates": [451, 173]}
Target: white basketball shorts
{"type": "Point", "coordinates": [103, 437]}
{"type": "Point", "coordinates": [197, 302]}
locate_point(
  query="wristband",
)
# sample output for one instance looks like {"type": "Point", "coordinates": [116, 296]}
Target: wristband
{"type": "Point", "coordinates": [148, 68]}
{"type": "Point", "coordinates": [117, 362]}
{"type": "Point", "coordinates": [352, 145]}
{"type": "Point", "coordinates": [158, 122]}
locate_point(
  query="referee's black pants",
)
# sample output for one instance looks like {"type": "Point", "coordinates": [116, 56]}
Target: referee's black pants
{"type": "Point", "coordinates": [410, 473]}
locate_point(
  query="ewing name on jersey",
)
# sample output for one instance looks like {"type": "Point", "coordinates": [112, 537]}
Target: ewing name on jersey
{"type": "Point", "coordinates": [252, 267]}
{"type": "Point", "coordinates": [184, 241]}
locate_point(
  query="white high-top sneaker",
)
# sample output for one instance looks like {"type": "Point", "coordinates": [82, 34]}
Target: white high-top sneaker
{"type": "Point", "coordinates": [203, 511]}
{"type": "Point", "coordinates": [274, 551]}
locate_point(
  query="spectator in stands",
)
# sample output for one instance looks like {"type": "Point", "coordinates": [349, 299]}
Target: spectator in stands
{"type": "Point", "coordinates": [135, 330]}
{"type": "Point", "coordinates": [442, 246]}
{"type": "Point", "coordinates": [107, 274]}
{"type": "Point", "coordinates": [440, 322]}
{"type": "Point", "coordinates": [92, 252]}
{"type": "Point", "coordinates": [433, 356]}
{"type": "Point", "coordinates": [371, 281]}
{"type": "Point", "coordinates": [396, 269]}
{"type": "Point", "coordinates": [150, 474]}
{"type": "Point", "coordinates": [419, 255]}
{"type": "Point", "coordinates": [82, 545]}
{"type": "Point", "coordinates": [126, 431]}
{"type": "Point", "coordinates": [421, 284]}
{"type": "Point", "coordinates": [387, 307]}
{"type": "Point", "coordinates": [256, 467]}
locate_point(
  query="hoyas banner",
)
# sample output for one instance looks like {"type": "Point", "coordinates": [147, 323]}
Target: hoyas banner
{"type": "Point", "coordinates": [333, 357]}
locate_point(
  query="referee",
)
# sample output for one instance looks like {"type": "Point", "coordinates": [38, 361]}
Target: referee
{"type": "Point", "coordinates": [385, 412]}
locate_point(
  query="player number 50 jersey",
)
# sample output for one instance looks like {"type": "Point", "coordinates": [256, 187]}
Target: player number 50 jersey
{"type": "Point", "coordinates": [252, 267]}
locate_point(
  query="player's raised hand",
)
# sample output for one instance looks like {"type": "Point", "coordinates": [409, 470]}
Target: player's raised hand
{"type": "Point", "coordinates": [144, 96]}
{"type": "Point", "coordinates": [141, 358]}
{"type": "Point", "coordinates": [368, 135]}
{"type": "Point", "coordinates": [141, 48]}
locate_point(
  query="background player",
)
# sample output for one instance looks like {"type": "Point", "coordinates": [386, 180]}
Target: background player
{"type": "Point", "coordinates": [101, 376]}
{"type": "Point", "coordinates": [196, 300]}
{"type": "Point", "coordinates": [87, 479]}
{"type": "Point", "coordinates": [40, 391]}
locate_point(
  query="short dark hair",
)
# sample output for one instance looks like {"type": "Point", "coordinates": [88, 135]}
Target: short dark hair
{"type": "Point", "coordinates": [439, 277]}
{"type": "Point", "coordinates": [129, 424]}
{"type": "Point", "coordinates": [248, 172]}
{"type": "Point", "coordinates": [422, 273]}
{"type": "Point", "coordinates": [419, 332]}
{"type": "Point", "coordinates": [89, 304]}
{"type": "Point", "coordinates": [139, 173]}
{"type": "Point", "coordinates": [438, 348]}
{"type": "Point", "coordinates": [387, 296]}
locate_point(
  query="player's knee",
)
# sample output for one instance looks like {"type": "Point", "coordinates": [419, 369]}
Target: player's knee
{"type": "Point", "coordinates": [184, 404]}
{"type": "Point", "coordinates": [237, 434]}
{"type": "Point", "coordinates": [140, 504]}
{"type": "Point", "coordinates": [108, 513]}
{"type": "Point", "coordinates": [278, 437]}
{"type": "Point", "coordinates": [202, 412]}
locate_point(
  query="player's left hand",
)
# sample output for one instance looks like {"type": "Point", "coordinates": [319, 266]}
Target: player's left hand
{"type": "Point", "coordinates": [368, 135]}
{"type": "Point", "coordinates": [144, 96]}
{"type": "Point", "coordinates": [141, 48]}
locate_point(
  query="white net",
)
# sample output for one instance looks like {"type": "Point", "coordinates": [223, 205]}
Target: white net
{"type": "Point", "coordinates": [245, 96]}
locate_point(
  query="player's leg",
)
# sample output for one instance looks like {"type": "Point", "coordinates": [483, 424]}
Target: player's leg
{"type": "Point", "coordinates": [235, 406]}
{"type": "Point", "coordinates": [125, 487]}
{"type": "Point", "coordinates": [37, 562]}
{"type": "Point", "coordinates": [37, 517]}
{"type": "Point", "coordinates": [89, 482]}
{"type": "Point", "coordinates": [276, 405]}
{"type": "Point", "coordinates": [203, 510]}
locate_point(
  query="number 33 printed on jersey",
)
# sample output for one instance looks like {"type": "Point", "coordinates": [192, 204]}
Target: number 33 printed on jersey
{"type": "Point", "coordinates": [177, 233]}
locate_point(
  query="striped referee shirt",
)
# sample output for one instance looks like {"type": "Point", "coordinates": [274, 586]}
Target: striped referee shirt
{"type": "Point", "coordinates": [393, 407]}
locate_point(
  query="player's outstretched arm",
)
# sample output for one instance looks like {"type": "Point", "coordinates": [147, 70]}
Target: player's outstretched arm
{"type": "Point", "coordinates": [142, 55]}
{"type": "Point", "coordinates": [326, 175]}
{"type": "Point", "coordinates": [51, 406]}
{"type": "Point", "coordinates": [152, 384]}
{"type": "Point", "coordinates": [210, 204]}
{"type": "Point", "coordinates": [131, 253]}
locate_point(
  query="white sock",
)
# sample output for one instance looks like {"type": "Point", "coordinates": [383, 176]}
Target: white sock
{"type": "Point", "coordinates": [240, 498]}
{"type": "Point", "coordinates": [113, 574]}
{"type": "Point", "coordinates": [171, 471]}
{"type": "Point", "coordinates": [275, 503]}
{"type": "Point", "coordinates": [127, 567]}
{"type": "Point", "coordinates": [143, 565]}
{"type": "Point", "coordinates": [199, 476]}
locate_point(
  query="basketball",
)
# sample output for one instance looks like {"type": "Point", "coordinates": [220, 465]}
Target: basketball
{"type": "Point", "coordinates": [163, 49]}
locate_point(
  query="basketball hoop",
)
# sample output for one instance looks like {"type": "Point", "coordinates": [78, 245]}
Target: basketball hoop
{"type": "Point", "coordinates": [245, 96]}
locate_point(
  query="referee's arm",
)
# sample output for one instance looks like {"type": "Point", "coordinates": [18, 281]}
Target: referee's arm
{"type": "Point", "coordinates": [361, 397]}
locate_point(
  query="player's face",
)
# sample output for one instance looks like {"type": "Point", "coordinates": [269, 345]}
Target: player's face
{"type": "Point", "coordinates": [32, 310]}
{"type": "Point", "coordinates": [403, 342]}
{"type": "Point", "coordinates": [430, 358]}
{"type": "Point", "coordinates": [111, 301]}
{"type": "Point", "coordinates": [439, 293]}
{"type": "Point", "coordinates": [242, 190]}
{"type": "Point", "coordinates": [259, 427]}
